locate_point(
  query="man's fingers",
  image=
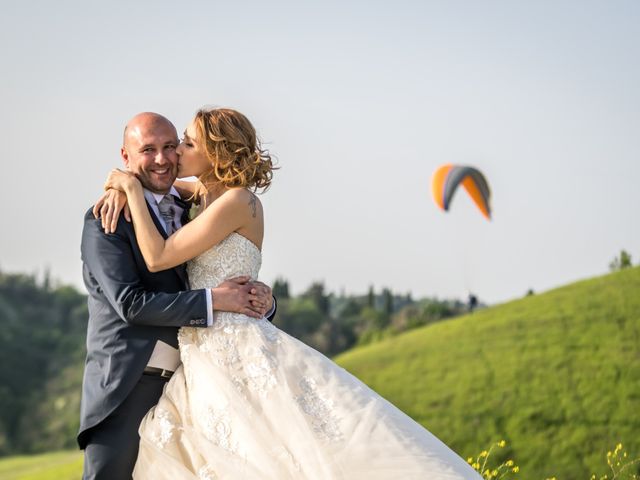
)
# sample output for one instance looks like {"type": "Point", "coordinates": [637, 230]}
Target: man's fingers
{"type": "Point", "coordinates": [127, 213]}
{"type": "Point", "coordinates": [258, 308]}
{"type": "Point", "coordinates": [263, 292]}
{"type": "Point", "coordinates": [251, 313]}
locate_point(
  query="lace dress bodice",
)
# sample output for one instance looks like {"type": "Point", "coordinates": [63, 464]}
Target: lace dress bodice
{"type": "Point", "coordinates": [236, 255]}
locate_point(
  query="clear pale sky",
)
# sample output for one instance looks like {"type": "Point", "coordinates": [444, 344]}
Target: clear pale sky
{"type": "Point", "coordinates": [360, 101]}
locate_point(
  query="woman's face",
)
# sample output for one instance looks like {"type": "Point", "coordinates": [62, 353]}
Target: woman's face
{"type": "Point", "coordinates": [192, 161]}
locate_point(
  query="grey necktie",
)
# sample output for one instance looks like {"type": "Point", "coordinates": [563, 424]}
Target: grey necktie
{"type": "Point", "coordinates": [167, 209]}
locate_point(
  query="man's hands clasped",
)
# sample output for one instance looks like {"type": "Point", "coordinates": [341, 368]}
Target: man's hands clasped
{"type": "Point", "coordinates": [241, 295]}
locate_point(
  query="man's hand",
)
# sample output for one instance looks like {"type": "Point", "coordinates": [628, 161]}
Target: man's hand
{"type": "Point", "coordinates": [265, 297]}
{"type": "Point", "coordinates": [240, 295]}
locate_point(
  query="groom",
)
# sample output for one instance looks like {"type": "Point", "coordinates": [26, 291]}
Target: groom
{"type": "Point", "coordinates": [134, 315]}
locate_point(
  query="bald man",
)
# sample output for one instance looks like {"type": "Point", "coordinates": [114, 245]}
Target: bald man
{"type": "Point", "coordinates": [134, 315]}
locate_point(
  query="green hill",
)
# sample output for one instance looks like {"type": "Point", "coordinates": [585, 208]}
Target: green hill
{"type": "Point", "coordinates": [65, 465]}
{"type": "Point", "coordinates": [557, 375]}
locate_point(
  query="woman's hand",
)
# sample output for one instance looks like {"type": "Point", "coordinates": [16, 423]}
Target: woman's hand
{"type": "Point", "coordinates": [121, 180]}
{"type": "Point", "coordinates": [108, 208]}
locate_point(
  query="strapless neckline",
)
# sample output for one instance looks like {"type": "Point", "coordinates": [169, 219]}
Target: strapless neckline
{"type": "Point", "coordinates": [247, 241]}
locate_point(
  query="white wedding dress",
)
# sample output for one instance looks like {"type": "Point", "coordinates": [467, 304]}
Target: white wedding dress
{"type": "Point", "coordinates": [251, 402]}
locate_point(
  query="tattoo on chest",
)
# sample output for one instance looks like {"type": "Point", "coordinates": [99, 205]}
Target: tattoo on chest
{"type": "Point", "coordinates": [253, 203]}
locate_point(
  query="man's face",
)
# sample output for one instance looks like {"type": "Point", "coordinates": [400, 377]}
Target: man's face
{"type": "Point", "coordinates": [150, 152]}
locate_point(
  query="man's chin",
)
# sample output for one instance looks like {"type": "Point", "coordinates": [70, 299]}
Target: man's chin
{"type": "Point", "coordinates": [158, 187]}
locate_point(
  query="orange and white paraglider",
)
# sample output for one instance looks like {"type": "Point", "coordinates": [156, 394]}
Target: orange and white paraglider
{"type": "Point", "coordinates": [446, 180]}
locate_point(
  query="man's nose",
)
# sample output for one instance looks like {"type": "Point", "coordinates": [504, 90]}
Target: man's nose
{"type": "Point", "coordinates": [161, 158]}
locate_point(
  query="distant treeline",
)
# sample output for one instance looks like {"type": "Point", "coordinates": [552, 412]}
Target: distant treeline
{"type": "Point", "coordinates": [333, 324]}
{"type": "Point", "coordinates": [42, 346]}
{"type": "Point", "coordinates": [42, 338]}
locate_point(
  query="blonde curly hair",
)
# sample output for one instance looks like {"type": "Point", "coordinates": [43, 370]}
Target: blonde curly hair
{"type": "Point", "coordinates": [232, 147]}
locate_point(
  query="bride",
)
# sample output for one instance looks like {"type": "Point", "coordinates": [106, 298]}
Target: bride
{"type": "Point", "coordinates": [249, 401]}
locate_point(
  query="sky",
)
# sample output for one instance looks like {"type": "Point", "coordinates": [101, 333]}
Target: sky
{"type": "Point", "coordinates": [360, 102]}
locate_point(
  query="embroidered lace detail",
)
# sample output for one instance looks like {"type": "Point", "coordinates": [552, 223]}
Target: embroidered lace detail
{"type": "Point", "coordinates": [260, 371]}
{"type": "Point", "coordinates": [232, 257]}
{"type": "Point", "coordinates": [206, 472]}
{"type": "Point", "coordinates": [319, 407]}
{"type": "Point", "coordinates": [217, 428]}
{"type": "Point", "coordinates": [165, 428]}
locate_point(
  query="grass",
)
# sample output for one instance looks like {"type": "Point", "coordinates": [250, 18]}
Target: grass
{"type": "Point", "coordinates": [556, 375]}
{"type": "Point", "coordinates": [65, 465]}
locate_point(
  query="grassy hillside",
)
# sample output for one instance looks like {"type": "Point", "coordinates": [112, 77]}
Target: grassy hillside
{"type": "Point", "coordinates": [48, 466]}
{"type": "Point", "coordinates": [557, 375]}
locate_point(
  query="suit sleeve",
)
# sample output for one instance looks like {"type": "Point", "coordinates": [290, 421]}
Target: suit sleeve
{"type": "Point", "coordinates": [110, 261]}
{"type": "Point", "coordinates": [271, 314]}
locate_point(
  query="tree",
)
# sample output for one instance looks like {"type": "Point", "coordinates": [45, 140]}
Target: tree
{"type": "Point", "coordinates": [620, 262]}
{"type": "Point", "coordinates": [387, 298]}
{"type": "Point", "coordinates": [281, 289]}
{"type": "Point", "coordinates": [371, 298]}
{"type": "Point", "coordinates": [316, 293]}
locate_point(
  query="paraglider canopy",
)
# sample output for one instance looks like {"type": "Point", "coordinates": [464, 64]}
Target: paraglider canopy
{"type": "Point", "coordinates": [446, 180]}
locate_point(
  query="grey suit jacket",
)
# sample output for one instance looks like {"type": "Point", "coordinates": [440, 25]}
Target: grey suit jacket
{"type": "Point", "coordinates": [130, 309]}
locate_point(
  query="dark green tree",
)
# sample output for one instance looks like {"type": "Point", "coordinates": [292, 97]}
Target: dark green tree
{"type": "Point", "coordinates": [620, 262]}
{"type": "Point", "coordinates": [316, 293]}
{"type": "Point", "coordinates": [387, 302]}
{"type": "Point", "coordinates": [281, 289]}
{"type": "Point", "coordinates": [371, 298]}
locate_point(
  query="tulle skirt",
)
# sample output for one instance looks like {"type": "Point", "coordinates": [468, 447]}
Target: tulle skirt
{"type": "Point", "coordinates": [251, 402]}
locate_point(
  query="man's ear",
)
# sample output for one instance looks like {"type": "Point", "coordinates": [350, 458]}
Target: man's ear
{"type": "Point", "coordinates": [125, 156]}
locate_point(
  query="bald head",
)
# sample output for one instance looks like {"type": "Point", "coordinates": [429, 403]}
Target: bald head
{"type": "Point", "coordinates": [149, 150]}
{"type": "Point", "coordinates": [143, 122]}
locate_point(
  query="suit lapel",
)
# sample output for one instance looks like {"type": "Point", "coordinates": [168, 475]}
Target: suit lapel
{"type": "Point", "coordinates": [186, 207]}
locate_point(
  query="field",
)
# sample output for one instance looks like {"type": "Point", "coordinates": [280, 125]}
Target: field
{"type": "Point", "coordinates": [556, 375]}
{"type": "Point", "coordinates": [66, 465]}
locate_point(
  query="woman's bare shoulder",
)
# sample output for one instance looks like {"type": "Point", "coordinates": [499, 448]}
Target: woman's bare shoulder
{"type": "Point", "coordinates": [240, 197]}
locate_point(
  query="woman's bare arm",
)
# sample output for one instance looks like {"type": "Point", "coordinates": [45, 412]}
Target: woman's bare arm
{"type": "Point", "coordinates": [232, 211]}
